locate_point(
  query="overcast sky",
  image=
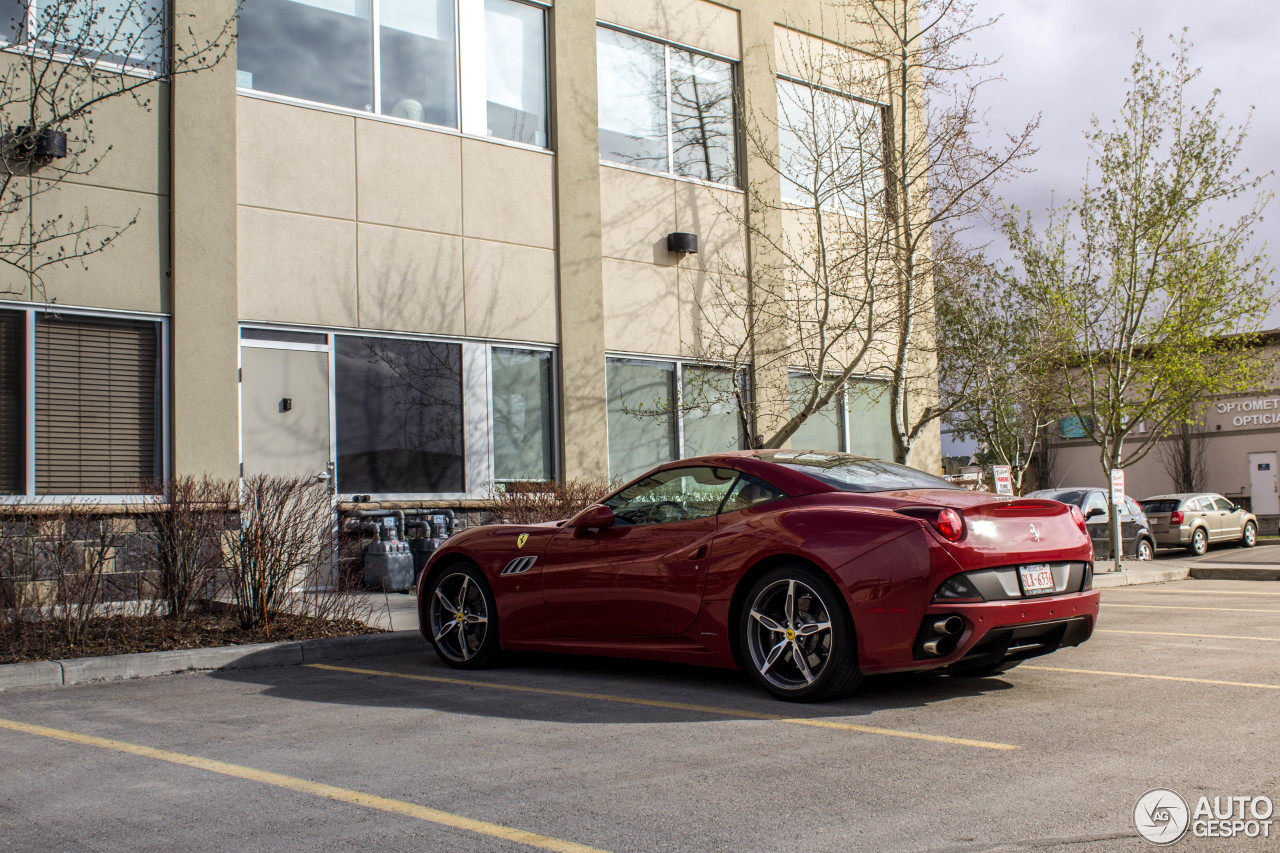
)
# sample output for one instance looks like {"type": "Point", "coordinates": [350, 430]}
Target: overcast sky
{"type": "Point", "coordinates": [1068, 60]}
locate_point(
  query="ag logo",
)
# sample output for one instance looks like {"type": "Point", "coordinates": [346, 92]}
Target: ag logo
{"type": "Point", "coordinates": [521, 539]}
{"type": "Point", "coordinates": [1161, 816]}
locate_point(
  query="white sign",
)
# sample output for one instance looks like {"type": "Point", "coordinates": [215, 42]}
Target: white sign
{"type": "Point", "coordinates": [1117, 486]}
{"type": "Point", "coordinates": [1004, 479]}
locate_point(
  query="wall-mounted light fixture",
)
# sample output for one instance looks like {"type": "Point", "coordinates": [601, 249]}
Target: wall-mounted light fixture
{"type": "Point", "coordinates": [48, 144]}
{"type": "Point", "coordinates": [682, 242]}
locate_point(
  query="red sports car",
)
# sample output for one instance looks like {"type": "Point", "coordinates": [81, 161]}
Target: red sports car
{"type": "Point", "coordinates": [806, 569]}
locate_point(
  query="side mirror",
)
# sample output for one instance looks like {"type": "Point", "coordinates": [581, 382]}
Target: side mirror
{"type": "Point", "coordinates": [595, 517]}
{"type": "Point", "coordinates": [1094, 513]}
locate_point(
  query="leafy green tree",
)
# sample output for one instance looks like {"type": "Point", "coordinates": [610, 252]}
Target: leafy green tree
{"type": "Point", "coordinates": [1157, 293]}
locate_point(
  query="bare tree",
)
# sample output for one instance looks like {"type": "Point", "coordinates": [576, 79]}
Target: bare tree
{"type": "Point", "coordinates": [876, 145]}
{"type": "Point", "coordinates": [71, 57]}
{"type": "Point", "coordinates": [1182, 455]}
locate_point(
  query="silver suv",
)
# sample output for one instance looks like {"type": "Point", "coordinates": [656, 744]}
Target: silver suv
{"type": "Point", "coordinates": [1193, 521]}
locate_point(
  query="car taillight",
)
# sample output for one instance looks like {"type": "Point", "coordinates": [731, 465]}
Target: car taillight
{"type": "Point", "coordinates": [949, 524]}
{"type": "Point", "coordinates": [1078, 517]}
{"type": "Point", "coordinates": [1175, 518]}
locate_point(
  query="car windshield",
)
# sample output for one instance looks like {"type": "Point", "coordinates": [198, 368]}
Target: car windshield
{"type": "Point", "coordinates": [1164, 505]}
{"type": "Point", "coordinates": [850, 473]}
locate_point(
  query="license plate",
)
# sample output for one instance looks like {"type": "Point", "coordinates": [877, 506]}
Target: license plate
{"type": "Point", "coordinates": [1036, 579]}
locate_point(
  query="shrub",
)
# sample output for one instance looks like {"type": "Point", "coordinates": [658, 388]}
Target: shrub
{"type": "Point", "coordinates": [536, 502]}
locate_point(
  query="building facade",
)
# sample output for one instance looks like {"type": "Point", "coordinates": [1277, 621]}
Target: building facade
{"type": "Point", "coordinates": [414, 247]}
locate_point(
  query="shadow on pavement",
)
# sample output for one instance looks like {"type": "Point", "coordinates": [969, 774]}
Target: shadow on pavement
{"type": "Point", "coordinates": [540, 680]}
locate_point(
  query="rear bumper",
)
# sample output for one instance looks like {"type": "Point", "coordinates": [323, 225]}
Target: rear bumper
{"type": "Point", "coordinates": [1173, 537]}
{"type": "Point", "coordinates": [998, 631]}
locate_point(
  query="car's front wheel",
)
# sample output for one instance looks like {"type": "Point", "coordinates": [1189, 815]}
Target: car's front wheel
{"type": "Point", "coordinates": [1146, 551]}
{"type": "Point", "coordinates": [1250, 537]}
{"type": "Point", "coordinates": [1199, 542]}
{"type": "Point", "coordinates": [797, 638]}
{"type": "Point", "coordinates": [462, 617]}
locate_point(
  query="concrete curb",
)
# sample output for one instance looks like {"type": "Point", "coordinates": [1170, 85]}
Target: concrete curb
{"type": "Point", "coordinates": [1236, 573]}
{"type": "Point", "coordinates": [70, 671]}
{"type": "Point", "coordinates": [1133, 577]}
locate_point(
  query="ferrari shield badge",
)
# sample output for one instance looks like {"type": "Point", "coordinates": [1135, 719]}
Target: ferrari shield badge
{"type": "Point", "coordinates": [521, 539]}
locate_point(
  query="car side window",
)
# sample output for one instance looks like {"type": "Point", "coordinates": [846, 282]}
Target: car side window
{"type": "Point", "coordinates": [1199, 505]}
{"type": "Point", "coordinates": [678, 494]}
{"type": "Point", "coordinates": [1223, 504]}
{"type": "Point", "coordinates": [1094, 501]}
{"type": "Point", "coordinates": [749, 492]}
{"type": "Point", "coordinates": [1132, 506]}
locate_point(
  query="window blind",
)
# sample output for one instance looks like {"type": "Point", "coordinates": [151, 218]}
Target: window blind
{"type": "Point", "coordinates": [97, 388]}
{"type": "Point", "coordinates": [13, 404]}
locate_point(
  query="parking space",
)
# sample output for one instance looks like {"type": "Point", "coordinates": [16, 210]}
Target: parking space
{"type": "Point", "coordinates": [1178, 688]}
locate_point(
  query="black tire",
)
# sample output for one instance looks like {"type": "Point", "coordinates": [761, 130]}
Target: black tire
{"type": "Point", "coordinates": [462, 618]}
{"type": "Point", "coordinates": [1146, 550]}
{"type": "Point", "coordinates": [791, 604]}
{"type": "Point", "coordinates": [1249, 537]}
{"type": "Point", "coordinates": [1199, 542]}
{"type": "Point", "coordinates": [984, 671]}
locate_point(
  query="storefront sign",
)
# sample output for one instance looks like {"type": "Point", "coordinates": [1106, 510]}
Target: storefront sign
{"type": "Point", "coordinates": [1260, 411]}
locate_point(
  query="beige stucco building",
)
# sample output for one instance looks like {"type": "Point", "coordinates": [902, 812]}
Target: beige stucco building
{"type": "Point", "coordinates": [417, 246]}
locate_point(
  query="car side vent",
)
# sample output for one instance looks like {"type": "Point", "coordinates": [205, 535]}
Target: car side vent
{"type": "Point", "coordinates": [519, 565]}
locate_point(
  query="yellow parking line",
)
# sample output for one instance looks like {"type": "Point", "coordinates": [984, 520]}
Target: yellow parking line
{"type": "Point", "coordinates": [303, 786]}
{"type": "Point", "coordinates": [1110, 590]}
{"type": "Point", "coordinates": [1173, 634]}
{"type": "Point", "coordinates": [1155, 677]}
{"type": "Point", "coordinates": [1185, 607]}
{"type": "Point", "coordinates": [676, 706]}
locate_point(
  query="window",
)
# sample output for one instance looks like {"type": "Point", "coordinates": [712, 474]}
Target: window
{"type": "Point", "coordinates": [665, 109]}
{"type": "Point", "coordinates": [855, 474]}
{"type": "Point", "coordinates": [1075, 427]}
{"type": "Point", "coordinates": [830, 149]}
{"type": "Point", "coordinates": [478, 65]}
{"type": "Point", "coordinates": [522, 415]}
{"type": "Point", "coordinates": [1094, 501]}
{"type": "Point", "coordinates": [123, 32]}
{"type": "Point", "coordinates": [681, 494]}
{"type": "Point", "coordinates": [1224, 505]}
{"type": "Point", "coordinates": [661, 410]}
{"type": "Point", "coordinates": [95, 400]}
{"type": "Point", "coordinates": [749, 492]}
{"type": "Point", "coordinates": [398, 405]}
{"type": "Point", "coordinates": [869, 418]}
{"type": "Point", "coordinates": [822, 430]}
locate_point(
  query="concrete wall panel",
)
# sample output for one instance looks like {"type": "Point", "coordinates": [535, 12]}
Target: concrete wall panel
{"type": "Point", "coordinates": [637, 212]}
{"type": "Point", "coordinates": [296, 269]}
{"type": "Point", "coordinates": [508, 194]}
{"type": "Point", "coordinates": [408, 177]}
{"type": "Point", "coordinates": [410, 281]}
{"type": "Point", "coordinates": [510, 292]}
{"type": "Point", "coordinates": [717, 217]}
{"type": "Point", "coordinates": [641, 307]}
{"type": "Point", "coordinates": [294, 158]}
{"type": "Point", "coordinates": [706, 26]}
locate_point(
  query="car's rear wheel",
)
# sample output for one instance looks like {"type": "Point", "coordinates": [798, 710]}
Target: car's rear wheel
{"type": "Point", "coordinates": [797, 638]}
{"type": "Point", "coordinates": [462, 617]}
{"type": "Point", "coordinates": [1146, 551]}
{"type": "Point", "coordinates": [1199, 542]}
{"type": "Point", "coordinates": [1250, 536]}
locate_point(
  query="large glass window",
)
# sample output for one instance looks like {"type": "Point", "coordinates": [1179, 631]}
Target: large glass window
{"type": "Point", "coordinates": [96, 405]}
{"type": "Point", "coordinates": [522, 415]}
{"type": "Point", "coordinates": [822, 430]}
{"type": "Point", "coordinates": [831, 150]}
{"type": "Point", "coordinates": [399, 416]}
{"type": "Point", "coordinates": [870, 424]}
{"type": "Point", "coordinates": [642, 428]}
{"type": "Point", "coordinates": [127, 32]}
{"type": "Point", "coordinates": [325, 51]}
{"type": "Point", "coordinates": [711, 414]}
{"type": "Point", "coordinates": [665, 109]}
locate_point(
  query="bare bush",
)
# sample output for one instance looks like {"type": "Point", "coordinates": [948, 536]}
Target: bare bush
{"type": "Point", "coordinates": [185, 536]}
{"type": "Point", "coordinates": [536, 502]}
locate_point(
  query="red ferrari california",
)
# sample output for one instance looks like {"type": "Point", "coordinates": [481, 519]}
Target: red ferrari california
{"type": "Point", "coordinates": [806, 569]}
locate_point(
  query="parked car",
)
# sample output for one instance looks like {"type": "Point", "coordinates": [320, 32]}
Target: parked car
{"type": "Point", "coordinates": [806, 569]}
{"type": "Point", "coordinates": [1136, 537]}
{"type": "Point", "coordinates": [1195, 520]}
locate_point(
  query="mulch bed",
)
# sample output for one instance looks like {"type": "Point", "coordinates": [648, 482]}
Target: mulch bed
{"type": "Point", "coordinates": [117, 635]}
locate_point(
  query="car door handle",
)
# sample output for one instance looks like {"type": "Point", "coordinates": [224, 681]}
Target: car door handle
{"type": "Point", "coordinates": [697, 553]}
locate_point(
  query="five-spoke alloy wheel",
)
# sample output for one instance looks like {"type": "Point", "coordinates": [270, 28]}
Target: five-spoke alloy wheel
{"type": "Point", "coordinates": [797, 639]}
{"type": "Point", "coordinates": [1199, 542]}
{"type": "Point", "coordinates": [1250, 536]}
{"type": "Point", "coordinates": [463, 619]}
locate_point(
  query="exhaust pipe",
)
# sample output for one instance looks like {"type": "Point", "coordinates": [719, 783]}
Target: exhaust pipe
{"type": "Point", "coordinates": [939, 647]}
{"type": "Point", "coordinates": [949, 626]}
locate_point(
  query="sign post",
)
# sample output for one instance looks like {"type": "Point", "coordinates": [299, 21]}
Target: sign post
{"type": "Point", "coordinates": [1117, 501]}
{"type": "Point", "coordinates": [1004, 479]}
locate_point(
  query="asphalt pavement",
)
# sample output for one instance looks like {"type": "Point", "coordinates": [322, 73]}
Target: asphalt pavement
{"type": "Point", "coordinates": [1178, 688]}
